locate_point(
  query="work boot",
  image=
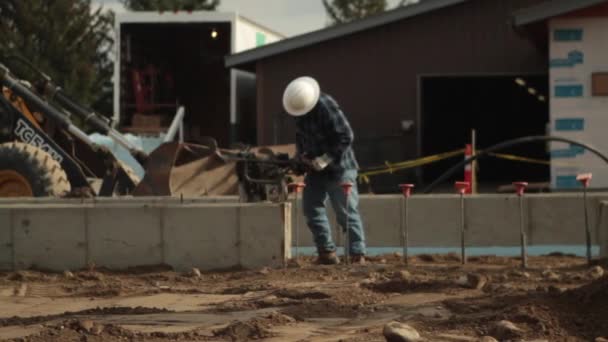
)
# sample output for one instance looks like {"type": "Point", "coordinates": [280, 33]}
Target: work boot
{"type": "Point", "coordinates": [328, 258]}
{"type": "Point", "coordinates": [357, 259]}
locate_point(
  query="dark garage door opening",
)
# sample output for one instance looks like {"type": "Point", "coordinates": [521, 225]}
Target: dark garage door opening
{"type": "Point", "coordinates": [164, 66]}
{"type": "Point", "coordinates": [499, 108]}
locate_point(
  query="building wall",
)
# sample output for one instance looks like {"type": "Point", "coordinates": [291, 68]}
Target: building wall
{"type": "Point", "coordinates": [374, 74]}
{"type": "Point", "coordinates": [249, 35]}
{"type": "Point", "coordinates": [579, 47]}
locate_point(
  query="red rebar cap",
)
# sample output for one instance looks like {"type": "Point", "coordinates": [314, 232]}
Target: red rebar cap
{"type": "Point", "coordinates": [584, 179]}
{"type": "Point", "coordinates": [520, 187]}
{"type": "Point", "coordinates": [406, 189]}
{"type": "Point", "coordinates": [461, 187]}
{"type": "Point", "coordinates": [297, 187]}
{"type": "Point", "coordinates": [347, 187]}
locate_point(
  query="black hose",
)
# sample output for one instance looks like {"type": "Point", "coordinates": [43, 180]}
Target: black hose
{"type": "Point", "coordinates": [507, 144]}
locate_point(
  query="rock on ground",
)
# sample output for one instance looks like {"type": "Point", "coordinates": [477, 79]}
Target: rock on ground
{"type": "Point", "coordinates": [505, 330]}
{"type": "Point", "coordinates": [400, 332]}
{"type": "Point", "coordinates": [550, 275]}
{"type": "Point", "coordinates": [488, 339]}
{"type": "Point", "coordinates": [402, 275]}
{"type": "Point", "coordinates": [196, 272]}
{"type": "Point", "coordinates": [596, 272]}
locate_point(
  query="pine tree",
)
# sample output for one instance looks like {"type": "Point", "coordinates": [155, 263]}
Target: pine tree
{"type": "Point", "coordinates": [70, 40]}
{"type": "Point", "coordinates": [343, 11]}
{"type": "Point", "coordinates": [171, 5]}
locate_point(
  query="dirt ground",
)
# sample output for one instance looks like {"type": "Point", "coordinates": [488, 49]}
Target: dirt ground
{"type": "Point", "coordinates": [558, 298]}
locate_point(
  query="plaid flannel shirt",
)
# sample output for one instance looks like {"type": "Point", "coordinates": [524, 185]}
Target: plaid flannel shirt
{"type": "Point", "coordinates": [325, 130]}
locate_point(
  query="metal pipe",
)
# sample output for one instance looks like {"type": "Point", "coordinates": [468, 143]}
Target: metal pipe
{"type": "Point", "coordinates": [520, 188]}
{"type": "Point", "coordinates": [587, 230]}
{"type": "Point", "coordinates": [461, 188]}
{"type": "Point", "coordinates": [585, 179]}
{"type": "Point", "coordinates": [524, 242]}
{"type": "Point", "coordinates": [175, 124]}
{"type": "Point", "coordinates": [347, 187]}
{"type": "Point", "coordinates": [90, 117]}
{"type": "Point", "coordinates": [406, 189]}
{"type": "Point", "coordinates": [297, 189]}
{"type": "Point", "coordinates": [463, 253]}
{"type": "Point", "coordinates": [80, 135]}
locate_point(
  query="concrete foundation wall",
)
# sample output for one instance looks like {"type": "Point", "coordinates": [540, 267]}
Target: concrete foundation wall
{"type": "Point", "coordinates": [214, 233]}
{"type": "Point", "coordinates": [119, 235]}
{"type": "Point", "coordinates": [603, 229]}
{"type": "Point", "coordinates": [6, 241]}
{"type": "Point", "coordinates": [492, 220]}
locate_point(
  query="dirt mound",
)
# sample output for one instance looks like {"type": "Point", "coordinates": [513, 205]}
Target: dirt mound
{"type": "Point", "coordinates": [87, 330]}
{"type": "Point", "coordinates": [245, 288]}
{"type": "Point", "coordinates": [30, 276]}
{"type": "Point", "coordinates": [555, 315]}
{"type": "Point", "coordinates": [409, 285]}
{"type": "Point", "coordinates": [15, 320]}
{"type": "Point", "coordinates": [144, 269]}
{"type": "Point", "coordinates": [301, 294]}
{"type": "Point", "coordinates": [254, 329]}
{"type": "Point", "coordinates": [587, 308]}
{"type": "Point", "coordinates": [346, 303]}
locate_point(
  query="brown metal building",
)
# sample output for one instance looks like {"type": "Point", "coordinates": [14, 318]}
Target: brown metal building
{"type": "Point", "coordinates": [414, 82]}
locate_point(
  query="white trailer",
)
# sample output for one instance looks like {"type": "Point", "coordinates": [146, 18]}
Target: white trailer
{"type": "Point", "coordinates": [169, 59]}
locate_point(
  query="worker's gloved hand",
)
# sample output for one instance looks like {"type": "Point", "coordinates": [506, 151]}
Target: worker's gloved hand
{"type": "Point", "coordinates": [321, 162]}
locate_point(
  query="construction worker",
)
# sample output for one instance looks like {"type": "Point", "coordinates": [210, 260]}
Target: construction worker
{"type": "Point", "coordinates": [324, 142]}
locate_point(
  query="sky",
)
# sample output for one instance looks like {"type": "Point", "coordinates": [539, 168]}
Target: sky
{"type": "Point", "coordinates": [290, 17]}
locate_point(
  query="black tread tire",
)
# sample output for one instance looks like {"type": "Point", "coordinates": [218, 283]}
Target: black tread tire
{"type": "Point", "coordinates": [45, 175]}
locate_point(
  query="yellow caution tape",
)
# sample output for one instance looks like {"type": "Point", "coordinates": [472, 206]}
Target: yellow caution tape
{"type": "Point", "coordinates": [533, 160]}
{"type": "Point", "coordinates": [520, 159]}
{"type": "Point", "coordinates": [392, 168]}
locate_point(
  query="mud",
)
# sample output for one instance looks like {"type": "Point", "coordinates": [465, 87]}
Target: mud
{"type": "Point", "coordinates": [559, 298]}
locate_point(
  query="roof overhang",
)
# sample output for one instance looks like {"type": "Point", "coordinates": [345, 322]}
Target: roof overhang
{"type": "Point", "coordinates": [247, 58]}
{"type": "Point", "coordinates": [551, 9]}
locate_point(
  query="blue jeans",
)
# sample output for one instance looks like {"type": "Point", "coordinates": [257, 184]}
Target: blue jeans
{"type": "Point", "coordinates": [320, 187]}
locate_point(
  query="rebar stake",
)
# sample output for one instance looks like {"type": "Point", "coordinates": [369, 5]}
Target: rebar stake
{"type": "Point", "coordinates": [585, 179]}
{"type": "Point", "coordinates": [461, 188]}
{"type": "Point", "coordinates": [347, 187]}
{"type": "Point", "coordinates": [520, 188]}
{"type": "Point", "coordinates": [297, 188]}
{"type": "Point", "coordinates": [406, 189]}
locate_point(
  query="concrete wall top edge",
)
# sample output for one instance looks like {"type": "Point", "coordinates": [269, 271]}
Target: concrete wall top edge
{"type": "Point", "coordinates": [43, 206]}
{"type": "Point", "coordinates": [223, 200]}
{"type": "Point", "coordinates": [491, 196]}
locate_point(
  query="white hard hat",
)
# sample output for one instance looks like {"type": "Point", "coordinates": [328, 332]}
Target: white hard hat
{"type": "Point", "coordinates": [301, 96]}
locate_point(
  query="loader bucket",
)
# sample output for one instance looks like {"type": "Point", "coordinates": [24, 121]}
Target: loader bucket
{"type": "Point", "coordinates": [189, 170]}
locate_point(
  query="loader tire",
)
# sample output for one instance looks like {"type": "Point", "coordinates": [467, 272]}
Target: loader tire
{"type": "Point", "coordinates": [28, 171]}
